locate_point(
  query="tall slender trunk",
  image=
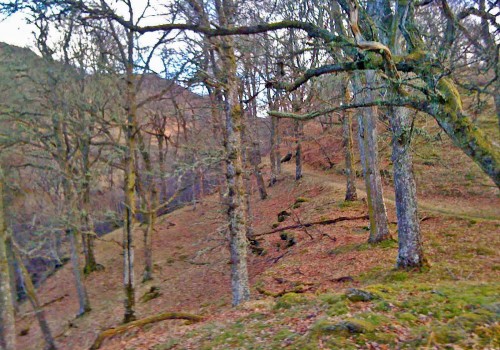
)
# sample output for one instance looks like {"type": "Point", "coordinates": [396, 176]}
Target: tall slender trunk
{"type": "Point", "coordinates": [163, 169]}
{"type": "Point", "coordinates": [350, 172]}
{"type": "Point", "coordinates": [298, 149]}
{"type": "Point", "coordinates": [129, 187]}
{"type": "Point", "coordinates": [149, 194]}
{"type": "Point", "coordinates": [88, 234]}
{"type": "Point", "coordinates": [234, 176]}
{"type": "Point", "coordinates": [273, 153]}
{"type": "Point", "coordinates": [83, 299]}
{"type": "Point", "coordinates": [7, 317]}
{"type": "Point", "coordinates": [12, 269]}
{"type": "Point", "coordinates": [254, 149]}
{"type": "Point", "coordinates": [367, 122]}
{"type": "Point", "coordinates": [39, 311]}
{"type": "Point", "coordinates": [148, 235]}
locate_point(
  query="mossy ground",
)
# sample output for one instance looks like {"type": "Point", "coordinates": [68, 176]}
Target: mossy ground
{"type": "Point", "coordinates": [408, 315]}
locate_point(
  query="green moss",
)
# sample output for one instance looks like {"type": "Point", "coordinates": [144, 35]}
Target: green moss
{"type": "Point", "coordinates": [284, 334]}
{"type": "Point", "coordinates": [301, 200]}
{"type": "Point", "coordinates": [350, 204]}
{"type": "Point", "coordinates": [406, 317]}
{"type": "Point", "coordinates": [170, 344]}
{"type": "Point", "coordinates": [330, 298]}
{"type": "Point", "coordinates": [485, 251]}
{"type": "Point", "coordinates": [382, 305]}
{"type": "Point", "coordinates": [451, 95]}
{"type": "Point", "coordinates": [290, 299]}
{"type": "Point", "coordinates": [374, 318]}
{"type": "Point", "coordinates": [397, 276]}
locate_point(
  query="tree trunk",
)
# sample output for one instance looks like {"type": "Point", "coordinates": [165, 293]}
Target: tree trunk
{"type": "Point", "coordinates": [7, 317]}
{"type": "Point", "coordinates": [256, 159]}
{"type": "Point", "coordinates": [149, 194]}
{"type": "Point", "coordinates": [163, 170]}
{"type": "Point", "coordinates": [350, 172]}
{"type": "Point", "coordinates": [273, 153]}
{"type": "Point", "coordinates": [88, 234]}
{"type": "Point", "coordinates": [39, 312]}
{"type": "Point", "coordinates": [367, 121]}
{"type": "Point", "coordinates": [410, 252]}
{"type": "Point", "coordinates": [298, 149]}
{"type": "Point", "coordinates": [129, 187]}
{"type": "Point", "coordinates": [69, 202]}
{"type": "Point", "coordinates": [83, 299]}
{"type": "Point", "coordinates": [234, 176]}
{"type": "Point", "coordinates": [13, 271]}
{"type": "Point", "coordinates": [254, 149]}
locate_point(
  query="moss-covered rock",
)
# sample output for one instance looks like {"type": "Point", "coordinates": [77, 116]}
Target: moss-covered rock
{"type": "Point", "coordinates": [290, 299]}
{"type": "Point", "coordinates": [356, 295]}
{"type": "Point", "coordinates": [349, 326]}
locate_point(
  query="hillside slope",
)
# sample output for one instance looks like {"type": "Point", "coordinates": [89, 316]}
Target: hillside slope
{"type": "Point", "coordinates": [192, 275]}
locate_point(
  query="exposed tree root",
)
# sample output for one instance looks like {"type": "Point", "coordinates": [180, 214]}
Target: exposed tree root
{"type": "Point", "coordinates": [309, 224]}
{"type": "Point", "coordinates": [142, 322]}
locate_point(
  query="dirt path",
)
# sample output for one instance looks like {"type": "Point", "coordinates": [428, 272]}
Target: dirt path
{"type": "Point", "coordinates": [479, 209]}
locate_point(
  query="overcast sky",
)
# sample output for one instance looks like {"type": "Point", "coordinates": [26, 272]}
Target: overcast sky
{"type": "Point", "coordinates": [15, 31]}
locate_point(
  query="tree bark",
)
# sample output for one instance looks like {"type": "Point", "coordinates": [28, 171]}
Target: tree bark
{"type": "Point", "coordinates": [7, 317]}
{"type": "Point", "coordinates": [350, 171]}
{"type": "Point", "coordinates": [69, 202]}
{"type": "Point", "coordinates": [39, 312]}
{"type": "Point", "coordinates": [88, 235]}
{"type": "Point", "coordinates": [234, 166]}
{"type": "Point", "coordinates": [274, 156]}
{"type": "Point", "coordinates": [410, 252]}
{"type": "Point", "coordinates": [129, 186]}
{"type": "Point", "coordinates": [83, 299]}
{"type": "Point", "coordinates": [256, 160]}
{"type": "Point", "coordinates": [147, 186]}
{"type": "Point", "coordinates": [298, 149]}
{"type": "Point", "coordinates": [367, 124]}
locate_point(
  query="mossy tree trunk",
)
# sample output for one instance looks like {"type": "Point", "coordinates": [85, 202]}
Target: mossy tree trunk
{"type": "Point", "coordinates": [129, 184]}
{"type": "Point", "coordinates": [7, 316]}
{"type": "Point", "coordinates": [39, 311]}
{"type": "Point", "coordinates": [234, 165]}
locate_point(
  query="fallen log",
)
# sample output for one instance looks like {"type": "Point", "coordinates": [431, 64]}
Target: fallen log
{"type": "Point", "coordinates": [142, 322]}
{"type": "Point", "coordinates": [299, 289]}
{"type": "Point", "coordinates": [309, 224]}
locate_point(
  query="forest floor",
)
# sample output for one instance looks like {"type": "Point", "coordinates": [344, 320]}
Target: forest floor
{"type": "Point", "coordinates": [454, 304]}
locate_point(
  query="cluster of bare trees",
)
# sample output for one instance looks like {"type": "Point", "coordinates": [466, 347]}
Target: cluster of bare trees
{"type": "Point", "coordinates": [99, 106]}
